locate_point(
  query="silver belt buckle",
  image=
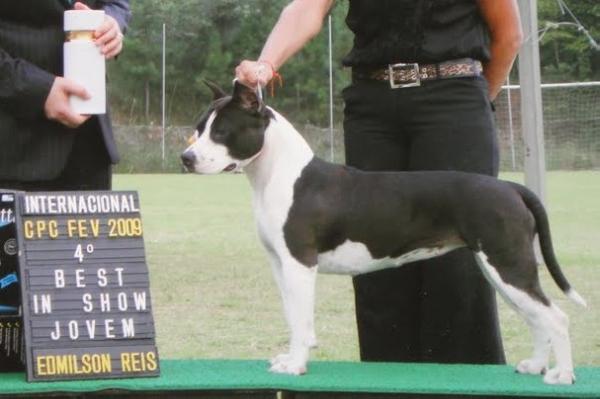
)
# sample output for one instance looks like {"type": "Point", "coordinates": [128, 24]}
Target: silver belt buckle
{"type": "Point", "coordinates": [402, 66]}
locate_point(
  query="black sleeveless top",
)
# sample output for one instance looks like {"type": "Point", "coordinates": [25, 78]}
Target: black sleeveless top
{"type": "Point", "coordinates": [424, 31]}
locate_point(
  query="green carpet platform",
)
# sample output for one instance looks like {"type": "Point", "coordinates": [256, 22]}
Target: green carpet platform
{"type": "Point", "coordinates": [250, 378]}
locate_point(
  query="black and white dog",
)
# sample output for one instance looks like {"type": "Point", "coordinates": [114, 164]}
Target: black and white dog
{"type": "Point", "coordinates": [316, 216]}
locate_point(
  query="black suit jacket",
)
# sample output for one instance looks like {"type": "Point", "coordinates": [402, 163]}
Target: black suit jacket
{"type": "Point", "coordinates": [33, 148]}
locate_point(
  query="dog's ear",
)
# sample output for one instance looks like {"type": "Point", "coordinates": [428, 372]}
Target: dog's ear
{"type": "Point", "coordinates": [216, 90]}
{"type": "Point", "coordinates": [246, 97]}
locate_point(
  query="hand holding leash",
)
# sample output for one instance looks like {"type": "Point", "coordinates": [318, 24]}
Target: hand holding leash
{"type": "Point", "coordinates": [254, 73]}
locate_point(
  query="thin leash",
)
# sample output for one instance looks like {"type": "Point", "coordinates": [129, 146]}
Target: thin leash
{"type": "Point", "coordinates": [276, 78]}
{"type": "Point", "coordinates": [259, 93]}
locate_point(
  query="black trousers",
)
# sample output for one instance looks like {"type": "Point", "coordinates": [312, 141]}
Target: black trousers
{"type": "Point", "coordinates": [88, 166]}
{"type": "Point", "coordinates": [440, 310]}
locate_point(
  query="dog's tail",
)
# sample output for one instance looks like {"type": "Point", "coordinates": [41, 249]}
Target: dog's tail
{"type": "Point", "coordinates": [538, 211]}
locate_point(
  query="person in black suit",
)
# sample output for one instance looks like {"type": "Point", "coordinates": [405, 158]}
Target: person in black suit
{"type": "Point", "coordinates": [44, 145]}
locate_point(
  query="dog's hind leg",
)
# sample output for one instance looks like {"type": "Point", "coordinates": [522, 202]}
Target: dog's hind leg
{"type": "Point", "coordinates": [298, 291]}
{"type": "Point", "coordinates": [563, 372]}
{"type": "Point", "coordinates": [548, 324]}
{"type": "Point", "coordinates": [542, 346]}
{"type": "Point", "coordinates": [550, 330]}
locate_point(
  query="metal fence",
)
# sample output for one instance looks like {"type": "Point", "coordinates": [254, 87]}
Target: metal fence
{"type": "Point", "coordinates": [571, 125]}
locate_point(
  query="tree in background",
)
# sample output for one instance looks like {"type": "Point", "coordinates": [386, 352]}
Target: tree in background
{"type": "Point", "coordinates": [566, 53]}
{"type": "Point", "coordinates": [208, 38]}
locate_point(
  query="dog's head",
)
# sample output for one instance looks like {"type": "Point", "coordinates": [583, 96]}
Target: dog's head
{"type": "Point", "coordinates": [230, 134]}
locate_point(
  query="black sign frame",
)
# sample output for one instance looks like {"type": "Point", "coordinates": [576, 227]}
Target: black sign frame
{"type": "Point", "coordinates": [85, 290]}
{"type": "Point", "coordinates": [11, 339]}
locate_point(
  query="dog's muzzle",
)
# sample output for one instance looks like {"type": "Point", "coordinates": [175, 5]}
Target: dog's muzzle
{"type": "Point", "coordinates": [188, 158]}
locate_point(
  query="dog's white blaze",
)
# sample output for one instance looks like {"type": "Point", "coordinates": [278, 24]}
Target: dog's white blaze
{"type": "Point", "coordinates": [548, 324]}
{"type": "Point", "coordinates": [354, 258]}
{"type": "Point", "coordinates": [211, 157]}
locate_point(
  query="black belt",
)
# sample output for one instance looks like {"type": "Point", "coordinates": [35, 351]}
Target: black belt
{"type": "Point", "coordinates": [412, 74]}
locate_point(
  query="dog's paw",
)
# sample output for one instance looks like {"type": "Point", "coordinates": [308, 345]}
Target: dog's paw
{"type": "Point", "coordinates": [532, 366]}
{"type": "Point", "coordinates": [286, 364]}
{"type": "Point", "coordinates": [559, 375]}
{"type": "Point", "coordinates": [281, 358]}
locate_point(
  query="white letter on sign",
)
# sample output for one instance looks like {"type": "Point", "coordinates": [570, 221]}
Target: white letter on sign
{"type": "Point", "coordinates": [87, 302]}
{"type": "Point", "coordinates": [91, 327]}
{"type": "Point", "coordinates": [46, 304]}
{"type": "Point", "coordinates": [73, 330]}
{"type": "Point", "coordinates": [59, 278]}
{"type": "Point", "coordinates": [55, 335]}
{"type": "Point", "coordinates": [122, 301]}
{"type": "Point", "coordinates": [119, 271]}
{"type": "Point", "coordinates": [108, 326]}
{"type": "Point", "coordinates": [102, 281]}
{"type": "Point", "coordinates": [79, 278]}
{"type": "Point", "coordinates": [105, 302]}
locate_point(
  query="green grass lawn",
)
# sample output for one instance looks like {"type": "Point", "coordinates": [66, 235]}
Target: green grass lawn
{"type": "Point", "coordinates": [214, 296]}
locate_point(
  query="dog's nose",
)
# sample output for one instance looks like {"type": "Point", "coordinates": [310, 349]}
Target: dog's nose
{"type": "Point", "coordinates": [188, 159]}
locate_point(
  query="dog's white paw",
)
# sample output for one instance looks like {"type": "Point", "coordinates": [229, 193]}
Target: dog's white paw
{"type": "Point", "coordinates": [286, 364]}
{"type": "Point", "coordinates": [281, 358]}
{"type": "Point", "coordinates": [312, 342]}
{"type": "Point", "coordinates": [532, 366]}
{"type": "Point", "coordinates": [559, 375]}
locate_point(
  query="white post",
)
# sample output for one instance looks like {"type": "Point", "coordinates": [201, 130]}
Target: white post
{"type": "Point", "coordinates": [331, 153]}
{"type": "Point", "coordinates": [531, 101]}
{"type": "Point", "coordinates": [510, 125]}
{"type": "Point", "coordinates": [164, 46]}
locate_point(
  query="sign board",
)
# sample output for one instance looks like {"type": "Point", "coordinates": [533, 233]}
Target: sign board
{"type": "Point", "coordinates": [85, 288]}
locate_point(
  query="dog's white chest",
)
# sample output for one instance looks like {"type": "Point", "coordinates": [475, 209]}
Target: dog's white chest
{"type": "Point", "coordinates": [355, 258]}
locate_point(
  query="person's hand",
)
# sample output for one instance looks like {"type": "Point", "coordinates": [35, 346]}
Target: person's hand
{"type": "Point", "coordinates": [252, 73]}
{"type": "Point", "coordinates": [57, 106]}
{"type": "Point", "coordinates": [108, 36]}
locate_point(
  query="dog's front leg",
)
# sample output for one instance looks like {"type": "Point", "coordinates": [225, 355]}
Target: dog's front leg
{"type": "Point", "coordinates": [298, 291]}
{"type": "Point", "coordinates": [278, 276]}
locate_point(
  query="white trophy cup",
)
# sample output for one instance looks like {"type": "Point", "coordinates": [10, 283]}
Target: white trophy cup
{"type": "Point", "coordinates": [83, 61]}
